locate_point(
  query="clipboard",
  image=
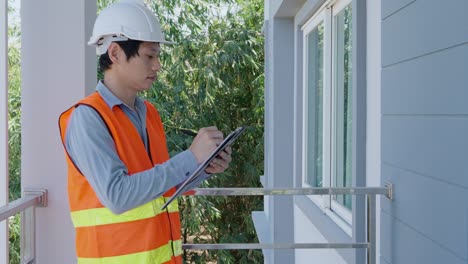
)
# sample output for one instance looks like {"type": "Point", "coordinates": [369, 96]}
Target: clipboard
{"type": "Point", "coordinates": [185, 184]}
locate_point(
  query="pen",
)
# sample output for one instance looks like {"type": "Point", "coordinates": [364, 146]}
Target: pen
{"type": "Point", "coordinates": [188, 132]}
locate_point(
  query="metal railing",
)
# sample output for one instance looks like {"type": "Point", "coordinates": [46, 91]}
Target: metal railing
{"type": "Point", "coordinates": [26, 205]}
{"type": "Point", "coordinates": [369, 192]}
{"type": "Point", "coordinates": [33, 198]}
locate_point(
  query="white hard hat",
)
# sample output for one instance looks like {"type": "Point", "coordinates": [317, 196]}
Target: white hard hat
{"type": "Point", "coordinates": [127, 19]}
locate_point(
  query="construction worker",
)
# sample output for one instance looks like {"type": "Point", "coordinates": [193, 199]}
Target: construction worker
{"type": "Point", "coordinates": [119, 170]}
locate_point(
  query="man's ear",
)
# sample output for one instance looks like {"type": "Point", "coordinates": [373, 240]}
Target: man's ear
{"type": "Point", "coordinates": [115, 53]}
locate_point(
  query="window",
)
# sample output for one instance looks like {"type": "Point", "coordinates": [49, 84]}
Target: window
{"type": "Point", "coordinates": [328, 106]}
{"type": "Point", "coordinates": [315, 120]}
{"type": "Point", "coordinates": [343, 101]}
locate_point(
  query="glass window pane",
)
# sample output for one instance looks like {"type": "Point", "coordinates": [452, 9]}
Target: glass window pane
{"type": "Point", "coordinates": [343, 86]}
{"type": "Point", "coordinates": [315, 106]}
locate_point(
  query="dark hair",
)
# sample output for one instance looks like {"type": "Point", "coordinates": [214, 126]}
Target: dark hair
{"type": "Point", "coordinates": [130, 47]}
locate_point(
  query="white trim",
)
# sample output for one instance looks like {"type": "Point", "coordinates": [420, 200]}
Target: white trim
{"type": "Point", "coordinates": [327, 97]}
{"type": "Point", "coordinates": [337, 117]}
{"type": "Point", "coordinates": [340, 222]}
{"type": "Point", "coordinates": [340, 5]}
{"type": "Point", "coordinates": [334, 170]}
{"type": "Point", "coordinates": [313, 22]}
{"type": "Point", "coordinates": [308, 28]}
{"type": "Point", "coordinates": [326, 5]}
{"type": "Point", "coordinates": [305, 94]}
{"type": "Point", "coordinates": [311, 25]}
{"type": "Point", "coordinates": [373, 113]}
{"type": "Point", "coordinates": [4, 248]}
{"type": "Point", "coordinates": [326, 14]}
{"type": "Point", "coordinates": [343, 212]}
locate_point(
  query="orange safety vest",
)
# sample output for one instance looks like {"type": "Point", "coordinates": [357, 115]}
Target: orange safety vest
{"type": "Point", "coordinates": [145, 234]}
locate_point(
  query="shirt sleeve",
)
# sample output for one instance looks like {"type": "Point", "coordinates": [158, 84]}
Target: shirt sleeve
{"type": "Point", "coordinates": [196, 183]}
{"type": "Point", "coordinates": [92, 149]}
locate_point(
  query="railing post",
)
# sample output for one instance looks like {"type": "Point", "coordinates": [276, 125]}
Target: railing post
{"type": "Point", "coordinates": [28, 225]}
{"type": "Point", "coordinates": [371, 229]}
{"type": "Point", "coordinates": [28, 236]}
{"type": "Point", "coordinates": [26, 205]}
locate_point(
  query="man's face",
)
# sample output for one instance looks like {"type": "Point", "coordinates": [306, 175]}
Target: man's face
{"type": "Point", "coordinates": [141, 70]}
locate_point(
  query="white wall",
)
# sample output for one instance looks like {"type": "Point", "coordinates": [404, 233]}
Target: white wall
{"type": "Point", "coordinates": [57, 70]}
{"type": "Point", "coordinates": [373, 104]}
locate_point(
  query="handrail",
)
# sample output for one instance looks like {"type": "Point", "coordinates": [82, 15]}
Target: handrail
{"type": "Point", "coordinates": [387, 191]}
{"type": "Point", "coordinates": [369, 192]}
{"type": "Point", "coordinates": [26, 205]}
{"type": "Point", "coordinates": [17, 206]}
{"type": "Point", "coordinates": [273, 246]}
{"type": "Point", "coordinates": [33, 198]}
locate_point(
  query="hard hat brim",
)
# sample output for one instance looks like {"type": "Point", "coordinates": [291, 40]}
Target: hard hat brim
{"type": "Point", "coordinates": [94, 41]}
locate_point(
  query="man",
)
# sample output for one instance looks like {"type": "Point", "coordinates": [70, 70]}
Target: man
{"type": "Point", "coordinates": [119, 170]}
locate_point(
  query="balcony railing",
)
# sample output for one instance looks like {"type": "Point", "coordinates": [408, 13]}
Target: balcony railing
{"type": "Point", "coordinates": [33, 198]}
{"type": "Point", "coordinates": [26, 205]}
{"type": "Point", "coordinates": [369, 192]}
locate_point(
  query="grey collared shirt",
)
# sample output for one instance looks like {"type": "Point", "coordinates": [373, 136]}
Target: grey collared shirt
{"type": "Point", "coordinates": [93, 151]}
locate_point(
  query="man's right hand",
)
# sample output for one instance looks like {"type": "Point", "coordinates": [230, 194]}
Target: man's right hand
{"type": "Point", "coordinates": [207, 139]}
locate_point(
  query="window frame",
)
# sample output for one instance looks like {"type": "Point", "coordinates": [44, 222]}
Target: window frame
{"type": "Point", "coordinates": [327, 13]}
{"type": "Point", "coordinates": [313, 23]}
{"type": "Point", "coordinates": [337, 123]}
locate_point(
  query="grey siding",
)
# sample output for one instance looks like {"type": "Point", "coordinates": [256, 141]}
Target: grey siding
{"type": "Point", "coordinates": [424, 131]}
{"type": "Point", "coordinates": [423, 27]}
{"type": "Point", "coordinates": [402, 244]}
{"type": "Point", "coordinates": [433, 146]}
{"type": "Point", "coordinates": [435, 84]}
{"type": "Point", "coordinates": [390, 7]}
{"type": "Point", "coordinates": [429, 212]}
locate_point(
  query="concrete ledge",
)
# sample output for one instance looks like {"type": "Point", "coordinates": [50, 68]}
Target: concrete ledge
{"type": "Point", "coordinates": [263, 232]}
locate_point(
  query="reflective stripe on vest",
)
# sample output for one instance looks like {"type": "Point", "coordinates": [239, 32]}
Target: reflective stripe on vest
{"type": "Point", "coordinates": [104, 216]}
{"type": "Point", "coordinates": [156, 256]}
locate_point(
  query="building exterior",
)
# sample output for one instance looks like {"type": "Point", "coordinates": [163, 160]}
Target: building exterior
{"type": "Point", "coordinates": [361, 93]}
{"type": "Point", "coordinates": [358, 93]}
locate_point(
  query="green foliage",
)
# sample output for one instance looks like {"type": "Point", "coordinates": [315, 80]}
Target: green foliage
{"type": "Point", "coordinates": [214, 76]}
{"type": "Point", "coordinates": [14, 121]}
{"type": "Point", "coordinates": [14, 226]}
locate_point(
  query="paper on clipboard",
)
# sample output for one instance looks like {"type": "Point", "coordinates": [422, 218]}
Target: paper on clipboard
{"type": "Point", "coordinates": [185, 184]}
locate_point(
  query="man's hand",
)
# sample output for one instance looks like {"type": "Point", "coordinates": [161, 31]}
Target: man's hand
{"type": "Point", "coordinates": [221, 162]}
{"type": "Point", "coordinates": [206, 141]}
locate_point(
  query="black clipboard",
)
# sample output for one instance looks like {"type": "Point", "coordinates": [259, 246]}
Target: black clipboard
{"type": "Point", "coordinates": [185, 184]}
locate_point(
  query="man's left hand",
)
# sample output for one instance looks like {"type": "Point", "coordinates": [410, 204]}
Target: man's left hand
{"type": "Point", "coordinates": [221, 162]}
